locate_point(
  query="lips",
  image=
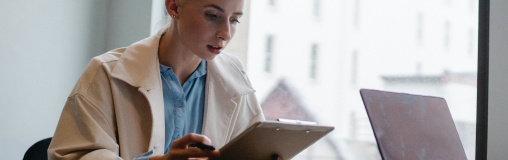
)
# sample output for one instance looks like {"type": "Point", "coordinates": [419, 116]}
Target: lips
{"type": "Point", "coordinates": [214, 49]}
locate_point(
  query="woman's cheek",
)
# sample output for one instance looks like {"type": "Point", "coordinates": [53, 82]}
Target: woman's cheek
{"type": "Point", "coordinates": [195, 30]}
{"type": "Point", "coordinates": [233, 31]}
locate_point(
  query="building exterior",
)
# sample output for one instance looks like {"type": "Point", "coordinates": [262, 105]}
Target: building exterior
{"type": "Point", "coordinates": [324, 51]}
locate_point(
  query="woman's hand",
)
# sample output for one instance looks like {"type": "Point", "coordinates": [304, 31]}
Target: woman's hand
{"type": "Point", "coordinates": [180, 149]}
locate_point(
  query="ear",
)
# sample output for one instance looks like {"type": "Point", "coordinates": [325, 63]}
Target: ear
{"type": "Point", "coordinates": [172, 8]}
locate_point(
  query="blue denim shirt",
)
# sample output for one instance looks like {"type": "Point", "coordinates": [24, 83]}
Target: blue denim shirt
{"type": "Point", "coordinates": [183, 105]}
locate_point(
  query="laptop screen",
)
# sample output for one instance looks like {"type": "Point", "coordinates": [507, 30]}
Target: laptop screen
{"type": "Point", "coordinates": [412, 126]}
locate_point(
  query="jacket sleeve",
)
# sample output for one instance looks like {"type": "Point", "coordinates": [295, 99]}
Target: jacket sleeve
{"type": "Point", "coordinates": [83, 132]}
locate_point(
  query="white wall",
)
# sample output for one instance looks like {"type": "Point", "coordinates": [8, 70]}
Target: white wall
{"type": "Point", "coordinates": [498, 78]}
{"type": "Point", "coordinates": [44, 48]}
{"type": "Point", "coordinates": [128, 22]}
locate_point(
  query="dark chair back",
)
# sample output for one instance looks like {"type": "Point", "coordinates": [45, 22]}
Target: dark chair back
{"type": "Point", "coordinates": [38, 151]}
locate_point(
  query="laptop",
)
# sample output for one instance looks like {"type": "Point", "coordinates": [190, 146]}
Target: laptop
{"type": "Point", "coordinates": [410, 126]}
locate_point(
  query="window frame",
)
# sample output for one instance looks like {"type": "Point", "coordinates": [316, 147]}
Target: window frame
{"type": "Point", "coordinates": [482, 79]}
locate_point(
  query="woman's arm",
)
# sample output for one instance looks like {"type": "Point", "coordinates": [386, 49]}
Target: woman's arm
{"type": "Point", "coordinates": [87, 125]}
{"type": "Point", "coordinates": [83, 132]}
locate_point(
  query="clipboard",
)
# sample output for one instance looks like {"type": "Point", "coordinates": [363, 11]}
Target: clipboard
{"type": "Point", "coordinates": [264, 139]}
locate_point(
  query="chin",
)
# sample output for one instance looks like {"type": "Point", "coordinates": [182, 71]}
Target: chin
{"type": "Point", "coordinates": [209, 57]}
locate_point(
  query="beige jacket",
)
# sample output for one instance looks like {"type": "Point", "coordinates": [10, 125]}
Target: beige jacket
{"type": "Point", "coordinates": [116, 108]}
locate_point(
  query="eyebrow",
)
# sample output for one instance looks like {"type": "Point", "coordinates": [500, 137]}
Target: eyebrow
{"type": "Point", "coordinates": [222, 10]}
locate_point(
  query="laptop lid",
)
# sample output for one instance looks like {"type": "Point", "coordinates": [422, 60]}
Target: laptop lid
{"type": "Point", "coordinates": [410, 126]}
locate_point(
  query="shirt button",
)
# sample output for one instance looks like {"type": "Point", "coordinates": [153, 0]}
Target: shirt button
{"type": "Point", "coordinates": [180, 104]}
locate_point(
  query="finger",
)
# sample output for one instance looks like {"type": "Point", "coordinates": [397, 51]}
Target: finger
{"type": "Point", "coordinates": [215, 156]}
{"type": "Point", "coordinates": [190, 139]}
{"type": "Point", "coordinates": [193, 153]}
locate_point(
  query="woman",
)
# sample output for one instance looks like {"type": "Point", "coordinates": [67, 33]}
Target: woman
{"type": "Point", "coordinates": [139, 101]}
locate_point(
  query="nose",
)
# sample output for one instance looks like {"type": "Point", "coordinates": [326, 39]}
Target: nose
{"type": "Point", "coordinates": [224, 31]}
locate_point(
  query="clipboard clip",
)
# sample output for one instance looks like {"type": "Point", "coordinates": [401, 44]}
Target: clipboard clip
{"type": "Point", "coordinates": [296, 121]}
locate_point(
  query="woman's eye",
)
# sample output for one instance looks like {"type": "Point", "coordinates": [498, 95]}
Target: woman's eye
{"type": "Point", "coordinates": [211, 15]}
{"type": "Point", "coordinates": [235, 21]}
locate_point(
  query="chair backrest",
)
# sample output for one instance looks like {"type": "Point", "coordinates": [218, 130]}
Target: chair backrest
{"type": "Point", "coordinates": [38, 151]}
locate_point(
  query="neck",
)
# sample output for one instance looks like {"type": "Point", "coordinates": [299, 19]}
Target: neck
{"type": "Point", "coordinates": [174, 54]}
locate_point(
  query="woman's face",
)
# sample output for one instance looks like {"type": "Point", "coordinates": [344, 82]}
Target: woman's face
{"type": "Point", "coordinates": [207, 26]}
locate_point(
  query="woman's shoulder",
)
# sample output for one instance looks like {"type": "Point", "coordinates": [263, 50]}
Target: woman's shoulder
{"type": "Point", "coordinates": [98, 69]}
{"type": "Point", "coordinates": [107, 59]}
{"type": "Point", "coordinates": [109, 56]}
{"type": "Point", "coordinates": [104, 61]}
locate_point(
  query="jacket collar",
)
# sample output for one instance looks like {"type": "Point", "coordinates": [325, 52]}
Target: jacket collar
{"type": "Point", "coordinates": [139, 63]}
{"type": "Point", "coordinates": [139, 67]}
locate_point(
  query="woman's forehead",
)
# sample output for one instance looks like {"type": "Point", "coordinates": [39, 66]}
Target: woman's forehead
{"type": "Point", "coordinates": [233, 6]}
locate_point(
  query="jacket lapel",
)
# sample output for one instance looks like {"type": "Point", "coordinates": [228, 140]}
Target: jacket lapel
{"type": "Point", "coordinates": [225, 81]}
{"type": "Point", "coordinates": [139, 67]}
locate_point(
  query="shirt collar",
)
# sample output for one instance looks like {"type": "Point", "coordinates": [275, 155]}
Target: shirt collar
{"type": "Point", "coordinates": [200, 71]}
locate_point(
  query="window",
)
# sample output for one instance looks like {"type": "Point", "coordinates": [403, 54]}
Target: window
{"type": "Point", "coordinates": [356, 15]}
{"type": "Point", "coordinates": [269, 53]}
{"type": "Point", "coordinates": [321, 66]}
{"type": "Point", "coordinates": [420, 28]}
{"type": "Point", "coordinates": [354, 67]}
{"type": "Point", "coordinates": [316, 8]}
{"type": "Point", "coordinates": [313, 61]}
{"type": "Point", "coordinates": [419, 68]}
{"type": "Point", "coordinates": [271, 2]}
{"type": "Point", "coordinates": [447, 35]}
